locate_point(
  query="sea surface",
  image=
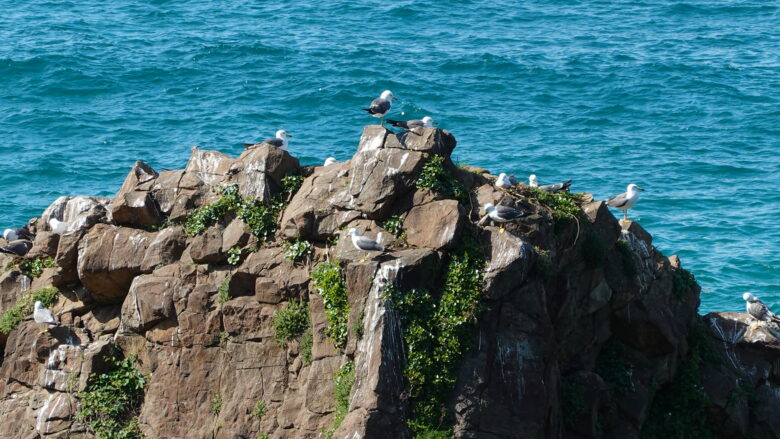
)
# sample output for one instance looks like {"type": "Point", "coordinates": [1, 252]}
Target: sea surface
{"type": "Point", "coordinates": [678, 97]}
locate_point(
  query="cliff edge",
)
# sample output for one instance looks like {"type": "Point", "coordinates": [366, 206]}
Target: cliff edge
{"type": "Point", "coordinates": [226, 300]}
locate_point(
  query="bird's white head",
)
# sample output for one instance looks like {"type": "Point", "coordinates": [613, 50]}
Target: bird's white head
{"type": "Point", "coordinates": [747, 297]}
{"type": "Point", "coordinates": [633, 188]}
{"type": "Point", "coordinates": [502, 176]}
{"type": "Point", "coordinates": [428, 121]}
{"type": "Point", "coordinates": [282, 134]}
{"type": "Point", "coordinates": [329, 161]}
{"type": "Point", "coordinates": [353, 231]}
{"type": "Point", "coordinates": [532, 181]}
{"type": "Point", "coordinates": [38, 304]}
{"type": "Point", "coordinates": [7, 232]}
{"type": "Point", "coordinates": [388, 96]}
{"type": "Point", "coordinates": [489, 207]}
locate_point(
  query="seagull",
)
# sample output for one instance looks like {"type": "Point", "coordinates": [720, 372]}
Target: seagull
{"type": "Point", "coordinates": [17, 233]}
{"type": "Point", "coordinates": [502, 214]}
{"type": "Point", "coordinates": [626, 200]}
{"type": "Point", "coordinates": [329, 161]}
{"type": "Point", "coordinates": [758, 310]}
{"type": "Point", "coordinates": [415, 123]}
{"type": "Point", "coordinates": [504, 181]}
{"type": "Point", "coordinates": [20, 247]}
{"type": "Point", "coordinates": [365, 243]}
{"type": "Point", "coordinates": [552, 188]}
{"type": "Point", "coordinates": [58, 227]}
{"type": "Point", "coordinates": [44, 316]}
{"type": "Point", "coordinates": [381, 105]}
{"type": "Point", "coordinates": [280, 141]}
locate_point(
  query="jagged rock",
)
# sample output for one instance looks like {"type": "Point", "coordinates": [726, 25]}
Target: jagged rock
{"type": "Point", "coordinates": [109, 258]}
{"type": "Point", "coordinates": [206, 248]}
{"type": "Point", "coordinates": [259, 171]}
{"type": "Point", "coordinates": [434, 225]}
{"type": "Point", "coordinates": [133, 205]}
{"type": "Point", "coordinates": [44, 246]}
{"type": "Point", "coordinates": [78, 212]}
{"type": "Point", "coordinates": [149, 301]}
{"type": "Point", "coordinates": [508, 264]}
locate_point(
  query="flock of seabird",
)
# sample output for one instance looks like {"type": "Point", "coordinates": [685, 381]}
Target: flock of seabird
{"type": "Point", "coordinates": [19, 240]}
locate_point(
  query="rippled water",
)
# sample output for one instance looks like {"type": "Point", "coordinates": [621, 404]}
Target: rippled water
{"type": "Point", "coordinates": [680, 98]}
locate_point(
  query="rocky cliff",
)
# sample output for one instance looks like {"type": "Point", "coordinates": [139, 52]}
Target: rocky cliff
{"type": "Point", "coordinates": [226, 300]}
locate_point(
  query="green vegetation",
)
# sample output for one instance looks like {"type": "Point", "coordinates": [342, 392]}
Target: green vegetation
{"type": "Point", "coordinates": [435, 177]}
{"type": "Point", "coordinates": [344, 380]}
{"type": "Point", "coordinates": [629, 266]}
{"type": "Point", "coordinates": [329, 282]}
{"type": "Point", "coordinates": [223, 292]}
{"type": "Point", "coordinates": [357, 325]}
{"type": "Point", "coordinates": [565, 206]}
{"type": "Point", "coordinates": [234, 255]}
{"type": "Point", "coordinates": [290, 322]}
{"type": "Point", "coordinates": [201, 219]}
{"type": "Point", "coordinates": [259, 410]}
{"type": "Point", "coordinates": [110, 404]}
{"type": "Point", "coordinates": [572, 404]}
{"type": "Point", "coordinates": [292, 183]}
{"type": "Point", "coordinates": [594, 251]}
{"type": "Point", "coordinates": [34, 267]}
{"type": "Point", "coordinates": [260, 218]}
{"type": "Point", "coordinates": [394, 225]}
{"type": "Point", "coordinates": [296, 250]}
{"type": "Point", "coordinates": [437, 335]}
{"type": "Point", "coordinates": [224, 337]}
{"type": "Point", "coordinates": [680, 408]}
{"type": "Point", "coordinates": [543, 265]}
{"type": "Point", "coordinates": [684, 283]}
{"type": "Point", "coordinates": [216, 404]}
{"type": "Point", "coordinates": [307, 342]}
{"type": "Point", "coordinates": [613, 366]}
{"type": "Point", "coordinates": [24, 307]}
{"type": "Point", "coordinates": [261, 435]}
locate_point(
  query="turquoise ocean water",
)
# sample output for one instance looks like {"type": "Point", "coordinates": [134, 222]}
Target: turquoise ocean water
{"type": "Point", "coordinates": [679, 97]}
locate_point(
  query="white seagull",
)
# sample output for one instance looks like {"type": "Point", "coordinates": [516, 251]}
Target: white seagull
{"type": "Point", "coordinates": [504, 181]}
{"type": "Point", "coordinates": [17, 233]}
{"type": "Point", "coordinates": [44, 316]}
{"type": "Point", "coordinates": [330, 161]}
{"type": "Point", "coordinates": [502, 214]}
{"type": "Point", "coordinates": [758, 310]}
{"type": "Point", "coordinates": [279, 141]}
{"type": "Point", "coordinates": [20, 247]}
{"type": "Point", "coordinates": [426, 121]}
{"type": "Point", "coordinates": [58, 227]}
{"type": "Point", "coordinates": [626, 200]}
{"type": "Point", "coordinates": [381, 105]}
{"type": "Point", "coordinates": [365, 243]}
{"type": "Point", "coordinates": [552, 188]}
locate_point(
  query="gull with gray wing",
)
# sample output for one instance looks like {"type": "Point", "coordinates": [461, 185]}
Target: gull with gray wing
{"type": "Point", "coordinates": [626, 200]}
{"type": "Point", "coordinates": [381, 105]}
{"type": "Point", "coordinates": [426, 121]}
{"type": "Point", "coordinates": [758, 310]}
{"type": "Point", "coordinates": [279, 141]}
{"type": "Point", "coordinates": [20, 247]}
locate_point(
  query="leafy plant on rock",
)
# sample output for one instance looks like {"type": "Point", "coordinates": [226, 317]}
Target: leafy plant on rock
{"type": "Point", "coordinates": [329, 282]}
{"type": "Point", "coordinates": [201, 219]}
{"type": "Point", "coordinates": [296, 250]}
{"type": "Point", "coordinates": [234, 255]}
{"type": "Point", "coordinates": [111, 401]}
{"type": "Point", "coordinates": [259, 409]}
{"type": "Point", "coordinates": [344, 380]}
{"type": "Point", "coordinates": [216, 404]}
{"type": "Point", "coordinates": [34, 267]}
{"type": "Point", "coordinates": [290, 321]}
{"type": "Point", "coordinates": [223, 292]}
{"type": "Point", "coordinates": [435, 177]}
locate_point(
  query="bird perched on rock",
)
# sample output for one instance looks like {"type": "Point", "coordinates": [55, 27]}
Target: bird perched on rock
{"type": "Point", "coordinates": [329, 161]}
{"type": "Point", "coordinates": [44, 316]}
{"type": "Point", "coordinates": [58, 227]}
{"type": "Point", "coordinates": [365, 243]}
{"type": "Point", "coordinates": [426, 121]}
{"type": "Point", "coordinates": [505, 181]}
{"type": "Point", "coordinates": [552, 188]}
{"type": "Point", "coordinates": [20, 247]}
{"type": "Point", "coordinates": [626, 200]}
{"type": "Point", "coordinates": [279, 141]}
{"type": "Point", "coordinates": [17, 233]}
{"type": "Point", "coordinates": [381, 105]}
{"type": "Point", "coordinates": [502, 214]}
{"type": "Point", "coordinates": [758, 310]}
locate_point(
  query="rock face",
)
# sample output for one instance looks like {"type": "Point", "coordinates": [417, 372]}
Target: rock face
{"type": "Point", "coordinates": [581, 327]}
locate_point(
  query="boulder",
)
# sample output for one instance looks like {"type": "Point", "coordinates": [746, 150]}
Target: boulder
{"type": "Point", "coordinates": [149, 301]}
{"type": "Point", "coordinates": [434, 225]}
{"type": "Point", "coordinates": [259, 171]}
{"type": "Point", "coordinates": [134, 205]}
{"type": "Point", "coordinates": [109, 258]}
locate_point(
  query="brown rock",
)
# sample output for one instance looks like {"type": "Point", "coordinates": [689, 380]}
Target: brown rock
{"type": "Point", "coordinates": [434, 225]}
{"type": "Point", "coordinates": [79, 212]}
{"type": "Point", "coordinates": [134, 205]}
{"type": "Point", "coordinates": [44, 246]}
{"type": "Point", "coordinates": [149, 301]}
